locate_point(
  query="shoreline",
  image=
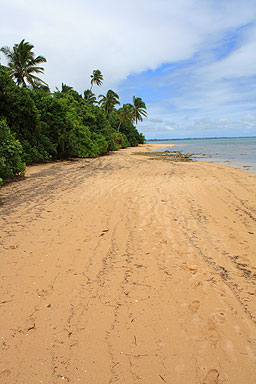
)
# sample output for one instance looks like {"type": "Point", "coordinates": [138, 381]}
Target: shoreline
{"type": "Point", "coordinates": [200, 154]}
{"type": "Point", "coordinates": [120, 267]}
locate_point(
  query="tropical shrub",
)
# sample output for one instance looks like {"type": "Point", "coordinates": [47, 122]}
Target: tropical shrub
{"type": "Point", "coordinates": [11, 163]}
{"type": "Point", "coordinates": [39, 126]}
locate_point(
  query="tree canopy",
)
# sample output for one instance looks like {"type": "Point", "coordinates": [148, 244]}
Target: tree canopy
{"type": "Point", "coordinates": [96, 78]}
{"type": "Point", "coordinates": [109, 101]}
{"type": "Point", "coordinates": [22, 64]}
{"type": "Point", "coordinates": [37, 125]}
{"type": "Point", "coordinates": [90, 97]}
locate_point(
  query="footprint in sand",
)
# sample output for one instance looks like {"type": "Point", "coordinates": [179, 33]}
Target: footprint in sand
{"type": "Point", "coordinates": [222, 292]}
{"type": "Point", "coordinates": [194, 306]}
{"type": "Point", "coordinates": [212, 334]}
{"type": "Point", "coordinates": [5, 373]}
{"type": "Point", "coordinates": [211, 377]}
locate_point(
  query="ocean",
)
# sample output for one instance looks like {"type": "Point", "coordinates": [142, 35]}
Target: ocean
{"type": "Point", "coordinates": [238, 152]}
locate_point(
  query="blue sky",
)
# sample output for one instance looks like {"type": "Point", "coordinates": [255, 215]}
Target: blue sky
{"type": "Point", "coordinates": [192, 62]}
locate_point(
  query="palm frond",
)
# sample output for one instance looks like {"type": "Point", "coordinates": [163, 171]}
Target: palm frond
{"type": "Point", "coordinates": [22, 63]}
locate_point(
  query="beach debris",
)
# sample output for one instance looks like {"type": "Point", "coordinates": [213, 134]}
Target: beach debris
{"type": "Point", "coordinates": [192, 269]}
{"type": "Point", "coordinates": [31, 327]}
{"type": "Point", "coordinates": [167, 155]}
{"type": "Point", "coordinates": [5, 301]}
{"type": "Point", "coordinates": [104, 231]}
{"type": "Point", "coordinates": [162, 378]}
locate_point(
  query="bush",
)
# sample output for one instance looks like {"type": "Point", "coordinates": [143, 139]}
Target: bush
{"type": "Point", "coordinates": [141, 138]}
{"type": "Point", "coordinates": [120, 140]}
{"type": "Point", "coordinates": [11, 163]}
{"type": "Point", "coordinates": [40, 126]}
{"type": "Point", "coordinates": [101, 143]}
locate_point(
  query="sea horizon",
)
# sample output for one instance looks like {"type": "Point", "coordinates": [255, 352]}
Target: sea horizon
{"type": "Point", "coordinates": [238, 152]}
{"type": "Point", "coordinates": [204, 138]}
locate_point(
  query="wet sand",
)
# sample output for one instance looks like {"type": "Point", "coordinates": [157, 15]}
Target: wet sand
{"type": "Point", "coordinates": [121, 269]}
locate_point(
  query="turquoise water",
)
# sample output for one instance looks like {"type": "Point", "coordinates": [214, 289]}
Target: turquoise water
{"type": "Point", "coordinates": [235, 152]}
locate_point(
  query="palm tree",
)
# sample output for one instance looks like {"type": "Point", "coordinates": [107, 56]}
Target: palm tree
{"type": "Point", "coordinates": [109, 101]}
{"type": "Point", "coordinates": [139, 109]}
{"type": "Point", "coordinates": [66, 88]}
{"type": "Point", "coordinates": [22, 64]}
{"type": "Point", "coordinates": [96, 78]}
{"type": "Point", "coordinates": [125, 114]}
{"type": "Point", "coordinates": [89, 97]}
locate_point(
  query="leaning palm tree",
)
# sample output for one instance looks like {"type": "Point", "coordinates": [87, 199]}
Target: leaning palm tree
{"type": "Point", "coordinates": [22, 64]}
{"type": "Point", "coordinates": [96, 78]}
{"type": "Point", "coordinates": [89, 97]}
{"type": "Point", "coordinates": [139, 109]}
{"type": "Point", "coordinates": [109, 101]}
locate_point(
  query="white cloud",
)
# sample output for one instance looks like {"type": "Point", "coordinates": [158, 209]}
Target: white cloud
{"type": "Point", "coordinates": [127, 38]}
{"type": "Point", "coordinates": [118, 38]}
{"type": "Point", "coordinates": [240, 63]}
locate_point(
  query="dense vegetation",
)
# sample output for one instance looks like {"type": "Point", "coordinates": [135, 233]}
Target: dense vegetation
{"type": "Point", "coordinates": [39, 126]}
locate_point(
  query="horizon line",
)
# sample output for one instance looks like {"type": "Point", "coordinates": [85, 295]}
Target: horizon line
{"type": "Point", "coordinates": [202, 138]}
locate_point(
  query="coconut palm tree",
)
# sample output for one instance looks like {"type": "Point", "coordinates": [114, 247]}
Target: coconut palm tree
{"type": "Point", "coordinates": [22, 64]}
{"type": "Point", "coordinates": [109, 101]}
{"type": "Point", "coordinates": [66, 88]}
{"type": "Point", "coordinates": [139, 109]}
{"type": "Point", "coordinates": [96, 78]}
{"type": "Point", "coordinates": [89, 97]}
{"type": "Point", "coordinates": [125, 114]}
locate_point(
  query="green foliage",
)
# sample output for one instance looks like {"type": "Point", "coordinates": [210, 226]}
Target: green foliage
{"type": "Point", "coordinates": [18, 107]}
{"type": "Point", "coordinates": [125, 126]}
{"type": "Point", "coordinates": [120, 140]}
{"type": "Point", "coordinates": [141, 138]}
{"type": "Point", "coordinates": [11, 163]}
{"type": "Point", "coordinates": [96, 78]}
{"type": "Point", "coordinates": [101, 144]}
{"type": "Point", "coordinates": [39, 126]}
{"type": "Point", "coordinates": [139, 109]}
{"type": "Point", "coordinates": [90, 97]}
{"type": "Point", "coordinates": [23, 64]}
{"type": "Point", "coordinates": [109, 101]}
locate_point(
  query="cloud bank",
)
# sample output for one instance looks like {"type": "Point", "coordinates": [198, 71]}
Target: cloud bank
{"type": "Point", "coordinates": [193, 62]}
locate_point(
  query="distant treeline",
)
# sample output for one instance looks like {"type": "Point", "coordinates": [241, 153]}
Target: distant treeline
{"type": "Point", "coordinates": [38, 126]}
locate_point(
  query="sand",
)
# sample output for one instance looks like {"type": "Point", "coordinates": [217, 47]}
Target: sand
{"type": "Point", "coordinates": [123, 269]}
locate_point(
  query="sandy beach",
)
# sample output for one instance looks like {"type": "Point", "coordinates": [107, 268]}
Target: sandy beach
{"type": "Point", "coordinates": [122, 269]}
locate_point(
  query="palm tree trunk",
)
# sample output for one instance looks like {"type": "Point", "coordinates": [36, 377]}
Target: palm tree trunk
{"type": "Point", "coordinates": [89, 93]}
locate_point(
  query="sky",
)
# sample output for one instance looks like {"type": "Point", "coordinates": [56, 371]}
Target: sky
{"type": "Point", "coordinates": [193, 62]}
